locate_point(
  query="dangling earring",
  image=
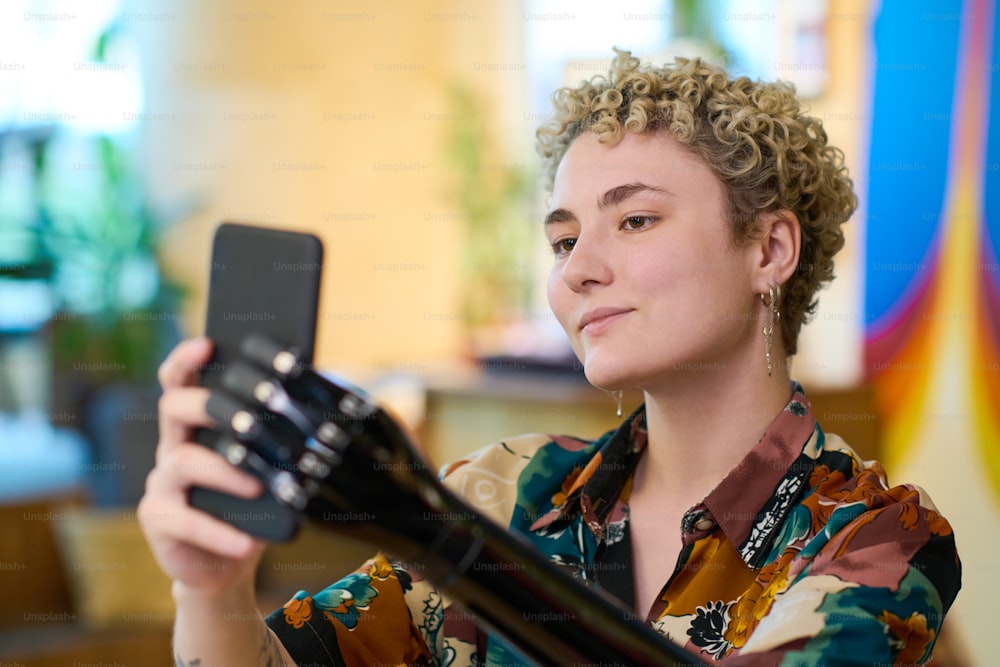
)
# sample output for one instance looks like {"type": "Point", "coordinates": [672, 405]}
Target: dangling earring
{"type": "Point", "coordinates": [774, 295]}
{"type": "Point", "coordinates": [618, 401]}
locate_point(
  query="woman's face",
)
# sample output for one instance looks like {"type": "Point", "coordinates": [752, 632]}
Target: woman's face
{"type": "Point", "coordinates": [646, 280]}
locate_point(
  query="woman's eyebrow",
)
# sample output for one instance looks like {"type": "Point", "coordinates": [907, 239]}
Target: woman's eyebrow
{"type": "Point", "coordinates": [559, 215]}
{"type": "Point", "coordinates": [620, 193]}
{"type": "Point", "coordinates": [615, 195]}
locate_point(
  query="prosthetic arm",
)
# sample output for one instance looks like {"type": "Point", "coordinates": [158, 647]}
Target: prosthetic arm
{"type": "Point", "coordinates": [327, 453]}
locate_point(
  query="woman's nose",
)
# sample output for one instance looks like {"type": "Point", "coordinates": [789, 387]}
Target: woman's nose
{"type": "Point", "coordinates": [587, 264]}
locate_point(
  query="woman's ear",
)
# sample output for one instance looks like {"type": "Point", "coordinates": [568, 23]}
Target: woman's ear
{"type": "Point", "coordinates": [780, 243]}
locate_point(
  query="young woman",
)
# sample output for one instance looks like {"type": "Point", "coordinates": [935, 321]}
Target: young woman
{"type": "Point", "coordinates": [693, 217]}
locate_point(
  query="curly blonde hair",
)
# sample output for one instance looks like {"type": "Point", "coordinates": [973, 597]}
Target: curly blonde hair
{"type": "Point", "coordinates": [753, 135]}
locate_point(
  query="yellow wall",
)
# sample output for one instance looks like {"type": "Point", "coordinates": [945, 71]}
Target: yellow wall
{"type": "Point", "coordinates": [331, 117]}
{"type": "Point", "coordinates": [328, 117]}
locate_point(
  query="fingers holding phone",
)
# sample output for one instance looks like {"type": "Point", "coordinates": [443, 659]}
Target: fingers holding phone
{"type": "Point", "coordinates": [182, 405]}
{"type": "Point", "coordinates": [191, 546]}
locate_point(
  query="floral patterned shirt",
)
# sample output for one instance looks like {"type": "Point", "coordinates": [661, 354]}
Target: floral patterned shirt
{"type": "Point", "coordinates": [802, 555]}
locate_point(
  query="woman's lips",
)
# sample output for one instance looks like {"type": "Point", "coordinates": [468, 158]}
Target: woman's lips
{"type": "Point", "coordinates": [601, 318]}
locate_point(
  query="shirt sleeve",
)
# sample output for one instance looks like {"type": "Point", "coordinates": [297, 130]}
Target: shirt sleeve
{"type": "Point", "coordinates": [871, 588]}
{"type": "Point", "coordinates": [361, 620]}
{"type": "Point", "coordinates": [386, 613]}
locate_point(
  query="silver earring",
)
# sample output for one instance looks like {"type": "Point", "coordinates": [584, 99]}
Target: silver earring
{"type": "Point", "coordinates": [774, 296]}
{"type": "Point", "coordinates": [618, 401]}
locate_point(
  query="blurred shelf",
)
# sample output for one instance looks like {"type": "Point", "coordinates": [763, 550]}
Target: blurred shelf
{"type": "Point", "coordinates": [469, 409]}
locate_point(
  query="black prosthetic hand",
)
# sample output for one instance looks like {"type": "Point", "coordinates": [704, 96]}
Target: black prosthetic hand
{"type": "Point", "coordinates": [327, 453]}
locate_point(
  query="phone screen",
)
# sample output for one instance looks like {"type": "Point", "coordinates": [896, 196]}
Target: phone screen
{"type": "Point", "coordinates": [263, 281]}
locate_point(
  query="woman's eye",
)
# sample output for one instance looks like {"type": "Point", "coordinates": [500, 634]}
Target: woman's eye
{"type": "Point", "coordinates": [563, 246]}
{"type": "Point", "coordinates": [638, 221]}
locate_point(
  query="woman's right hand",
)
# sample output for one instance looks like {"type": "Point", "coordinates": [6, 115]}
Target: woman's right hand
{"type": "Point", "coordinates": [201, 554]}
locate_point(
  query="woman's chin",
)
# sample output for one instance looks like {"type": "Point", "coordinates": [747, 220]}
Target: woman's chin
{"type": "Point", "coordinates": [605, 379]}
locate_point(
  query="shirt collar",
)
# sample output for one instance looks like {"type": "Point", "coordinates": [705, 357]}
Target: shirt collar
{"type": "Point", "coordinates": [749, 505]}
{"type": "Point", "coordinates": [597, 488]}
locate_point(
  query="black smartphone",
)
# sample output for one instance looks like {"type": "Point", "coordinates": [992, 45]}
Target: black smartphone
{"type": "Point", "coordinates": [262, 281]}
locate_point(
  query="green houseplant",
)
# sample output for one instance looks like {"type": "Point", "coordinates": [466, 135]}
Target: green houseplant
{"type": "Point", "coordinates": [76, 217]}
{"type": "Point", "coordinates": [493, 198]}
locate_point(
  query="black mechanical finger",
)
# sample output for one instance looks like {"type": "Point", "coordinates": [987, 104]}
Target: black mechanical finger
{"type": "Point", "coordinates": [281, 482]}
{"type": "Point", "coordinates": [253, 384]}
{"type": "Point", "coordinates": [286, 362]}
{"type": "Point", "coordinates": [324, 441]}
{"type": "Point", "coordinates": [327, 416]}
{"type": "Point", "coordinates": [260, 430]}
{"type": "Point", "coordinates": [305, 385]}
{"type": "Point", "coordinates": [261, 443]}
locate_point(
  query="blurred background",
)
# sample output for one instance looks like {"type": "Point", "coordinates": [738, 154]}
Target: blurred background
{"type": "Point", "coordinates": [401, 133]}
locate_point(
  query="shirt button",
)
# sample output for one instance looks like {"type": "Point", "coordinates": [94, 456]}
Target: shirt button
{"type": "Point", "coordinates": [704, 524]}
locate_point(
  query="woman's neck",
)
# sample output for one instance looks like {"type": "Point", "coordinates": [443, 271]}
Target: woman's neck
{"type": "Point", "coordinates": [701, 427]}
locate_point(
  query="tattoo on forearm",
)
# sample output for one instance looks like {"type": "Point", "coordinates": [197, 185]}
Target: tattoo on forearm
{"type": "Point", "coordinates": [270, 654]}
